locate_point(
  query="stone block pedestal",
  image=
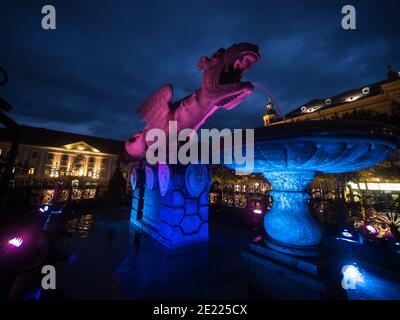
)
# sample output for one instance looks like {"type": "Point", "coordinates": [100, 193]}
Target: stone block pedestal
{"type": "Point", "coordinates": [175, 203]}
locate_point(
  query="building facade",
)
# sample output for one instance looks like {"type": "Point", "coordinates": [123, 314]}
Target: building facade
{"type": "Point", "coordinates": [375, 102]}
{"type": "Point", "coordinates": [48, 154]}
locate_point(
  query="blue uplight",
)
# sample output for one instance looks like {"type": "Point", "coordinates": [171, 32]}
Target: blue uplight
{"type": "Point", "coordinates": [44, 208]}
{"type": "Point", "coordinates": [347, 234]}
{"type": "Point", "coordinates": [351, 277]}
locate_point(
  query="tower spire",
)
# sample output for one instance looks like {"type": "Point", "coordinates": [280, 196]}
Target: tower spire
{"type": "Point", "coordinates": [269, 113]}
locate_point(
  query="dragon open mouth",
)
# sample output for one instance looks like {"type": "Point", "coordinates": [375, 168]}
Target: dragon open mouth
{"type": "Point", "coordinates": [233, 71]}
{"type": "Point", "coordinates": [231, 76]}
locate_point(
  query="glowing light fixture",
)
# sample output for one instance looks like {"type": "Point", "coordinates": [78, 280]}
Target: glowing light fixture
{"type": "Point", "coordinates": [352, 272]}
{"type": "Point", "coordinates": [365, 90]}
{"type": "Point", "coordinates": [310, 109]}
{"type": "Point", "coordinates": [351, 277]}
{"type": "Point", "coordinates": [353, 97]}
{"type": "Point", "coordinates": [16, 242]}
{"type": "Point", "coordinates": [258, 211]}
{"type": "Point", "coordinates": [44, 208]}
{"type": "Point", "coordinates": [347, 234]}
{"type": "Point", "coordinates": [371, 229]}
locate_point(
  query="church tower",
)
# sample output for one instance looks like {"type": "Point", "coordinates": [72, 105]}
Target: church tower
{"type": "Point", "coordinates": [269, 113]}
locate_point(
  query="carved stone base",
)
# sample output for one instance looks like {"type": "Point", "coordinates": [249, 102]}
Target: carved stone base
{"type": "Point", "coordinates": [284, 276]}
{"type": "Point", "coordinates": [175, 210]}
{"type": "Point", "coordinates": [301, 251]}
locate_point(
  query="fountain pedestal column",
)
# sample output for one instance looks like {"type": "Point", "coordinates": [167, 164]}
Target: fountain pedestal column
{"type": "Point", "coordinates": [285, 265]}
{"type": "Point", "coordinates": [289, 225]}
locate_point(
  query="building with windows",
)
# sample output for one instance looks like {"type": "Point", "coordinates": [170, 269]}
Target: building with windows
{"type": "Point", "coordinates": [49, 154]}
{"type": "Point", "coordinates": [379, 101]}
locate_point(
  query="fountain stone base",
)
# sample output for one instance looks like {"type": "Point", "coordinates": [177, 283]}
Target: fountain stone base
{"type": "Point", "coordinates": [289, 225]}
{"type": "Point", "coordinates": [283, 276]}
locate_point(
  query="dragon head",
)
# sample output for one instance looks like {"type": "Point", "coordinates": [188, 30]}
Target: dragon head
{"type": "Point", "coordinates": [222, 73]}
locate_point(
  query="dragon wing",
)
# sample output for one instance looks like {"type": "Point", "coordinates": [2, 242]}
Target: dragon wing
{"type": "Point", "coordinates": [156, 107]}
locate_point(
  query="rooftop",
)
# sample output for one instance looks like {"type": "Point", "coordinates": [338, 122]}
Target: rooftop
{"type": "Point", "coordinates": [344, 97]}
{"type": "Point", "coordinates": [46, 137]}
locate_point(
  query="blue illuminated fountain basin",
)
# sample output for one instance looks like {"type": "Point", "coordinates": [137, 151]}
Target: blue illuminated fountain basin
{"type": "Point", "coordinates": [290, 156]}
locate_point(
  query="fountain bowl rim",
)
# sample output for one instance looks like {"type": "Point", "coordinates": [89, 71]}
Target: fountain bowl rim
{"type": "Point", "coordinates": [331, 128]}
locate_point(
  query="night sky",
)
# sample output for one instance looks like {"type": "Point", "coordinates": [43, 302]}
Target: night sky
{"type": "Point", "coordinates": [105, 57]}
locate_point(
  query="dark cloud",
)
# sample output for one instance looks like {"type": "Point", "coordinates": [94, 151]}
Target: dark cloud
{"type": "Point", "coordinates": [106, 57]}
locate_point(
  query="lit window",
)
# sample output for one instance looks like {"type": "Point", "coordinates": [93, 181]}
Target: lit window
{"type": "Point", "coordinates": [47, 170]}
{"type": "Point", "coordinates": [31, 171]}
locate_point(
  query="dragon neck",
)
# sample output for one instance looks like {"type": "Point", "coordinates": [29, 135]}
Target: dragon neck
{"type": "Point", "coordinates": [194, 111]}
{"type": "Point", "coordinates": [206, 107]}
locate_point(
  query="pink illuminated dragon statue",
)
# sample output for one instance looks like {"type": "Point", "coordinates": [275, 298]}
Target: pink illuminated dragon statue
{"type": "Point", "coordinates": [221, 88]}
